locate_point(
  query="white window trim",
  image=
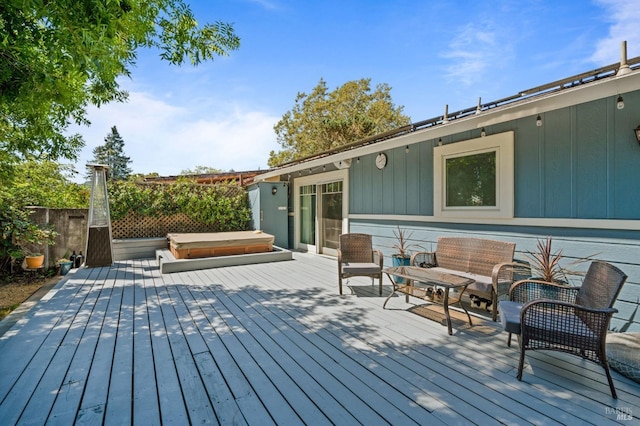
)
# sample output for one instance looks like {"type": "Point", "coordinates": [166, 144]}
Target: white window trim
{"type": "Point", "coordinates": [503, 145]}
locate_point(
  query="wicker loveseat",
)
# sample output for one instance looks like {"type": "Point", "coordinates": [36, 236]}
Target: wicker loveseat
{"type": "Point", "coordinates": [490, 263]}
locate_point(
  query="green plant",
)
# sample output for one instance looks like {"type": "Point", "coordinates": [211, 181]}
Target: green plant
{"type": "Point", "coordinates": [20, 235]}
{"type": "Point", "coordinates": [224, 206]}
{"type": "Point", "coordinates": [27, 235]}
{"type": "Point", "coordinates": [38, 182]}
{"type": "Point", "coordinates": [65, 258]}
{"type": "Point", "coordinates": [402, 244]}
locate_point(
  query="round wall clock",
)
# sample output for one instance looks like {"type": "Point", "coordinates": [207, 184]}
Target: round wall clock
{"type": "Point", "coordinates": [381, 160]}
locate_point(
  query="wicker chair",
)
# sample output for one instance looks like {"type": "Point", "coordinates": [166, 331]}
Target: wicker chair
{"type": "Point", "coordinates": [356, 257]}
{"type": "Point", "coordinates": [490, 259]}
{"type": "Point", "coordinates": [569, 319]}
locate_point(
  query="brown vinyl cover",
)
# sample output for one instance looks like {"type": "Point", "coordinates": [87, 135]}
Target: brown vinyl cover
{"type": "Point", "coordinates": [196, 245]}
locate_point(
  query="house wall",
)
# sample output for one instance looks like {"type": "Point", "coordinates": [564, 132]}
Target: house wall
{"type": "Point", "coordinates": [581, 163]}
{"type": "Point", "coordinates": [576, 179]}
{"type": "Point", "coordinates": [269, 211]}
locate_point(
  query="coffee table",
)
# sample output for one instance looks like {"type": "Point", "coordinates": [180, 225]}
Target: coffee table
{"type": "Point", "coordinates": [432, 278]}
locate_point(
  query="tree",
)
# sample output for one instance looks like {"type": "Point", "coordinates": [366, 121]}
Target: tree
{"type": "Point", "coordinates": [34, 182]}
{"type": "Point", "coordinates": [58, 57]}
{"type": "Point", "coordinates": [112, 154]}
{"type": "Point", "coordinates": [324, 120]}
{"type": "Point", "coordinates": [201, 170]}
{"type": "Point", "coordinates": [45, 183]}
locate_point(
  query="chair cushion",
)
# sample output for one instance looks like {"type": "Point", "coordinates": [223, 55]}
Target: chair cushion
{"type": "Point", "coordinates": [481, 283]}
{"type": "Point", "coordinates": [557, 328]}
{"type": "Point", "coordinates": [510, 315]}
{"type": "Point", "coordinates": [563, 328]}
{"type": "Point", "coordinates": [360, 268]}
{"type": "Point", "coordinates": [622, 353]}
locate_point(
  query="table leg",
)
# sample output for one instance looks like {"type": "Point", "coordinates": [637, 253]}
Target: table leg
{"type": "Point", "coordinates": [393, 290]}
{"type": "Point", "coordinates": [445, 304]}
{"type": "Point", "coordinates": [462, 306]}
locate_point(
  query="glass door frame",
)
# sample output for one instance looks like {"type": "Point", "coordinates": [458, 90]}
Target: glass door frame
{"type": "Point", "coordinates": [318, 180]}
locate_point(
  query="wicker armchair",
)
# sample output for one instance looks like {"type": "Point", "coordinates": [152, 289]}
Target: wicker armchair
{"type": "Point", "coordinates": [356, 257]}
{"type": "Point", "coordinates": [568, 319]}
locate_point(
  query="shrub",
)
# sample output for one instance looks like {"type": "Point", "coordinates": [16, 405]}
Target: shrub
{"type": "Point", "coordinates": [226, 206]}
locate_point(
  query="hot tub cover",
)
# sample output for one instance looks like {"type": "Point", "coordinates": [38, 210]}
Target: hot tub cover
{"type": "Point", "coordinates": [219, 243]}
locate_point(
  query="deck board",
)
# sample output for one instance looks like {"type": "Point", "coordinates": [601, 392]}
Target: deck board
{"type": "Point", "coordinates": [393, 370]}
{"type": "Point", "coordinates": [185, 340]}
{"type": "Point", "coordinates": [328, 350]}
{"type": "Point", "coordinates": [118, 404]}
{"type": "Point", "coordinates": [251, 359]}
{"type": "Point", "coordinates": [29, 343]}
{"type": "Point", "coordinates": [238, 397]}
{"type": "Point", "coordinates": [334, 367]}
{"type": "Point", "coordinates": [279, 367]}
{"type": "Point", "coordinates": [305, 373]}
{"type": "Point", "coordinates": [168, 354]}
{"type": "Point", "coordinates": [91, 411]}
{"type": "Point", "coordinates": [274, 343]}
{"type": "Point", "coordinates": [69, 394]}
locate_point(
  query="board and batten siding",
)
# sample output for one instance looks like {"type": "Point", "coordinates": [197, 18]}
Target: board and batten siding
{"type": "Point", "coordinates": [583, 163]}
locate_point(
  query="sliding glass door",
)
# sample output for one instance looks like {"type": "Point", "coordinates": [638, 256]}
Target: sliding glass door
{"type": "Point", "coordinates": [331, 217]}
{"type": "Point", "coordinates": [320, 212]}
{"type": "Point", "coordinates": [307, 216]}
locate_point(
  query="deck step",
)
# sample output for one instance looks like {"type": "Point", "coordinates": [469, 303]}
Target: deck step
{"type": "Point", "coordinates": [168, 263]}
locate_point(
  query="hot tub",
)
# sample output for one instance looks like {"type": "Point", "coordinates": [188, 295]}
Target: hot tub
{"type": "Point", "coordinates": [197, 245]}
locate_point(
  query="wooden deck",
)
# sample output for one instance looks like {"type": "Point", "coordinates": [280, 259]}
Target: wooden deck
{"type": "Point", "coordinates": [274, 343]}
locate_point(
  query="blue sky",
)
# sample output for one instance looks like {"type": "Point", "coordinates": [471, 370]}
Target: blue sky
{"type": "Point", "coordinates": [221, 114]}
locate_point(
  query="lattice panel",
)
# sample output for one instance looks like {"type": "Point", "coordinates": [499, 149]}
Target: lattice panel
{"type": "Point", "coordinates": [134, 226]}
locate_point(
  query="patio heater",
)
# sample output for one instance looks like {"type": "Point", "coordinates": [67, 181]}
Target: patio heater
{"type": "Point", "coordinates": [98, 251]}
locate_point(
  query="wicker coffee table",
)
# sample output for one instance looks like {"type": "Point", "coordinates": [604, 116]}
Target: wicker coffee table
{"type": "Point", "coordinates": [428, 278]}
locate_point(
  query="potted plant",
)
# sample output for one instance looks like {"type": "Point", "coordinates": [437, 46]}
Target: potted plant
{"type": "Point", "coordinates": [402, 257]}
{"type": "Point", "coordinates": [65, 263]}
{"type": "Point", "coordinates": [402, 246]}
{"type": "Point", "coordinates": [28, 239]}
{"type": "Point", "coordinates": [545, 264]}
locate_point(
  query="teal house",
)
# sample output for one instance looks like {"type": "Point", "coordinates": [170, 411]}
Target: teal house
{"type": "Point", "coordinates": [559, 160]}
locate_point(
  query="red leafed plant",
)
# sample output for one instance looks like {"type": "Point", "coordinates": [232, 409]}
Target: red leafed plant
{"type": "Point", "coordinates": [545, 264]}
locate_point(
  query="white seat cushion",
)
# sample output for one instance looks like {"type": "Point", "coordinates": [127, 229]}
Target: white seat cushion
{"type": "Point", "coordinates": [360, 268]}
{"type": "Point", "coordinates": [481, 283]}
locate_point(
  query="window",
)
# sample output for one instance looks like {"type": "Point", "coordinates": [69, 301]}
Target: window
{"type": "Point", "coordinates": [471, 180]}
{"type": "Point", "coordinates": [474, 178]}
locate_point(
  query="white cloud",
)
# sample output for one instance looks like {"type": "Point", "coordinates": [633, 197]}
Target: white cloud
{"type": "Point", "coordinates": [266, 4]}
{"type": "Point", "coordinates": [471, 52]}
{"type": "Point", "coordinates": [164, 138]}
{"type": "Point", "coordinates": [624, 16]}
